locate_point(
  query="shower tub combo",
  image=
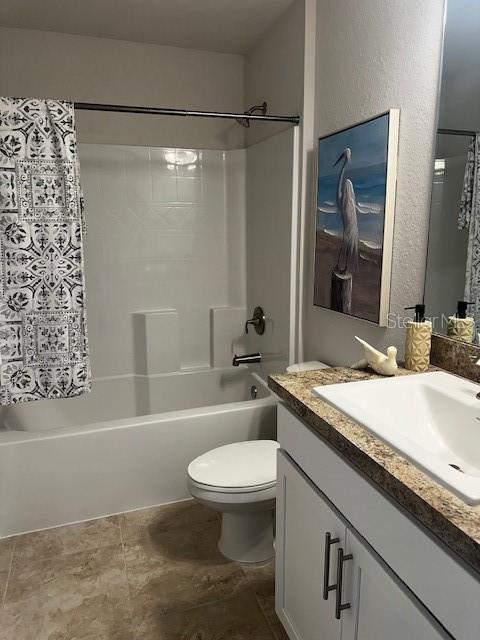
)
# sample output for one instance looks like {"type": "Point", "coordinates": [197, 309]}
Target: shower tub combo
{"type": "Point", "coordinates": [125, 446]}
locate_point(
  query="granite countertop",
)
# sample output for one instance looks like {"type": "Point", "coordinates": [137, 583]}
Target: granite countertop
{"type": "Point", "coordinates": [455, 523]}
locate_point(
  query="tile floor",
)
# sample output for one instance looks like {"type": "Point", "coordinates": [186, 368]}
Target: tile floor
{"type": "Point", "coordinates": [154, 574]}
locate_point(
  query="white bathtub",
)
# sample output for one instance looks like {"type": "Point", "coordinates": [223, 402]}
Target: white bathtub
{"type": "Point", "coordinates": [125, 446]}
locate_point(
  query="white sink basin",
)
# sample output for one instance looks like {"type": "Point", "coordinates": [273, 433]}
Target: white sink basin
{"type": "Point", "coordinates": [433, 419]}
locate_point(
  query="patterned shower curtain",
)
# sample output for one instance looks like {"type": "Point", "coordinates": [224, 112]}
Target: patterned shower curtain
{"type": "Point", "coordinates": [469, 218]}
{"type": "Point", "coordinates": [43, 338]}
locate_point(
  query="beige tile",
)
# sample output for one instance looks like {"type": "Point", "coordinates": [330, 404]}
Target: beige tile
{"type": "Point", "coordinates": [236, 618]}
{"type": "Point", "coordinates": [183, 587]}
{"type": "Point", "coordinates": [71, 617]}
{"type": "Point", "coordinates": [74, 538]}
{"type": "Point", "coordinates": [148, 523]}
{"type": "Point", "coordinates": [196, 545]}
{"type": "Point", "coordinates": [78, 596]}
{"type": "Point", "coordinates": [6, 549]}
{"type": "Point", "coordinates": [75, 575]}
{"type": "Point", "coordinates": [3, 584]}
{"type": "Point", "coordinates": [261, 579]}
{"type": "Point", "coordinates": [180, 568]}
{"type": "Point", "coordinates": [279, 632]}
{"type": "Point", "coordinates": [71, 584]}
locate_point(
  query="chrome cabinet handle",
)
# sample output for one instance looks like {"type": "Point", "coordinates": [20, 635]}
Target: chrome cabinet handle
{"type": "Point", "coordinates": [326, 567]}
{"type": "Point", "coordinates": [339, 606]}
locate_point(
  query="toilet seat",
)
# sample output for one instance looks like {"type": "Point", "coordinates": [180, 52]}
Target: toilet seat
{"type": "Point", "coordinates": [241, 467]}
{"type": "Point", "coordinates": [249, 489]}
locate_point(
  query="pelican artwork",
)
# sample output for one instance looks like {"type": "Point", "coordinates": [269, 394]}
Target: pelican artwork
{"type": "Point", "coordinates": [341, 293]}
{"type": "Point", "coordinates": [347, 205]}
{"type": "Point", "coordinates": [355, 206]}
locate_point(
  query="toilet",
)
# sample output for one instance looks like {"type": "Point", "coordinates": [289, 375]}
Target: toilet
{"type": "Point", "coordinates": [239, 480]}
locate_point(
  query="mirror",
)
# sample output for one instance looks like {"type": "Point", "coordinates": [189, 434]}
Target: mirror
{"type": "Point", "coordinates": [453, 260]}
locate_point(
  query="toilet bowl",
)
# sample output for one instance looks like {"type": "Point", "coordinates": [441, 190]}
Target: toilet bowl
{"type": "Point", "coordinates": [239, 480]}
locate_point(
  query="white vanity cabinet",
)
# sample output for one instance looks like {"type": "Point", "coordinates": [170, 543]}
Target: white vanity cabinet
{"type": "Point", "coordinates": [397, 582]}
{"type": "Point", "coordinates": [310, 539]}
{"type": "Point", "coordinates": [304, 520]}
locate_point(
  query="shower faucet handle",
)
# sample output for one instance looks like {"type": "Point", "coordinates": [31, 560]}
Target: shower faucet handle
{"type": "Point", "coordinates": [258, 321]}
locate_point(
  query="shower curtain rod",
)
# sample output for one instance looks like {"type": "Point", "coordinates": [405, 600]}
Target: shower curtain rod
{"type": "Point", "coordinates": [457, 132]}
{"type": "Point", "coordinates": [160, 111]}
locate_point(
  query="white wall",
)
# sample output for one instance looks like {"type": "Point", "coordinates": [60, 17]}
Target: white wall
{"type": "Point", "coordinates": [274, 71]}
{"type": "Point", "coordinates": [47, 64]}
{"type": "Point", "coordinates": [373, 55]}
{"type": "Point", "coordinates": [271, 214]}
{"type": "Point", "coordinates": [158, 238]}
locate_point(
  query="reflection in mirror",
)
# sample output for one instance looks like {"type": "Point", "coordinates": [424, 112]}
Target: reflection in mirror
{"type": "Point", "coordinates": [453, 262]}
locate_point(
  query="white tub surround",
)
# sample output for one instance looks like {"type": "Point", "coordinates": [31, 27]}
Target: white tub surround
{"type": "Point", "coordinates": [165, 244]}
{"type": "Point", "coordinates": [123, 447]}
{"type": "Point", "coordinates": [227, 334]}
{"type": "Point", "coordinates": [156, 341]}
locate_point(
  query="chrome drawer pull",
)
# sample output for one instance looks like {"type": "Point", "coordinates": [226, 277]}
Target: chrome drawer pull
{"type": "Point", "coordinates": [326, 567]}
{"type": "Point", "coordinates": [339, 607]}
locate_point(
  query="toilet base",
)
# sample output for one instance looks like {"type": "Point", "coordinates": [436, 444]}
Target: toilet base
{"type": "Point", "coordinates": [247, 536]}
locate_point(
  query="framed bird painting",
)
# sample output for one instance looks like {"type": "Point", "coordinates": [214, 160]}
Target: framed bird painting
{"type": "Point", "coordinates": [355, 208]}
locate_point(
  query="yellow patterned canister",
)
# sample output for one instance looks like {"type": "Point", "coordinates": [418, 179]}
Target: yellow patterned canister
{"type": "Point", "coordinates": [461, 328]}
{"type": "Point", "coordinates": [417, 345]}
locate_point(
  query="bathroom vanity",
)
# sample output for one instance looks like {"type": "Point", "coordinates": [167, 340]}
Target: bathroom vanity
{"type": "Point", "coordinates": [368, 546]}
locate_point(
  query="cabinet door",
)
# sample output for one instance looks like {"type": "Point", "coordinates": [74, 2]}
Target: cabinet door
{"type": "Point", "coordinates": [303, 520]}
{"type": "Point", "coordinates": [380, 606]}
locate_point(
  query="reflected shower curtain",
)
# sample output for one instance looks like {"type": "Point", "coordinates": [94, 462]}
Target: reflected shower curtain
{"type": "Point", "coordinates": [469, 218]}
{"type": "Point", "coordinates": [43, 338]}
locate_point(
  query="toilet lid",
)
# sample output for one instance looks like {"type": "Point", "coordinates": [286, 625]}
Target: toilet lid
{"type": "Point", "coordinates": [237, 465]}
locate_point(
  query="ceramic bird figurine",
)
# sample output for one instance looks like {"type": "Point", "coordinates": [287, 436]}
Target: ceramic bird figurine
{"type": "Point", "coordinates": [385, 365]}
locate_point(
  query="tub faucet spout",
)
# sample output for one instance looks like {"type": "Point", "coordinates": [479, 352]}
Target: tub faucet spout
{"type": "Point", "coordinates": [248, 358]}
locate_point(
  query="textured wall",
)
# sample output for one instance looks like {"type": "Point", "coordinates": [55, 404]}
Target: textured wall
{"type": "Point", "coordinates": [274, 71]}
{"type": "Point", "coordinates": [373, 55]}
{"type": "Point", "coordinates": [55, 65]}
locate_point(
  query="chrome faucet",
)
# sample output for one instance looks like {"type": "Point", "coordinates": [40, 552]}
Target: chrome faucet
{"type": "Point", "coordinates": [248, 358]}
